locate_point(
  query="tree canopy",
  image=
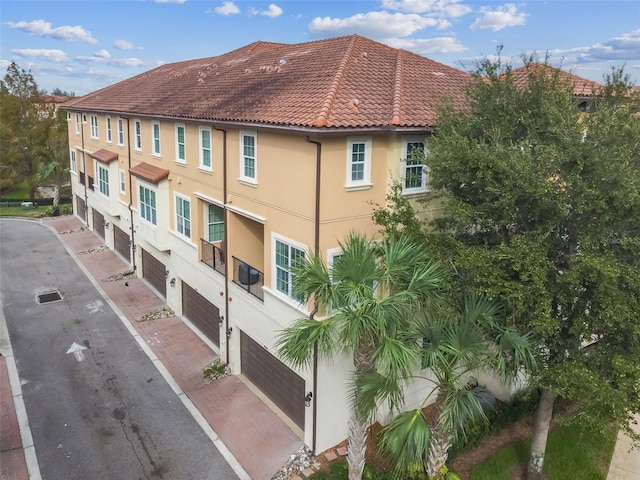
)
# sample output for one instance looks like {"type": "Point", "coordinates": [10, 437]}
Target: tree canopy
{"type": "Point", "coordinates": [540, 212]}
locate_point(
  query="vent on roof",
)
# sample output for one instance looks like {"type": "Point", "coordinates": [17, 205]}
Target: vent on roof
{"type": "Point", "coordinates": [282, 61]}
{"type": "Point", "coordinates": [438, 74]}
{"type": "Point", "coordinates": [48, 297]}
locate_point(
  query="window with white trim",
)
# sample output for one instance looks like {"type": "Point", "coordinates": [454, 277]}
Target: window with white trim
{"type": "Point", "coordinates": [286, 256]}
{"type": "Point", "coordinates": [137, 131]}
{"type": "Point", "coordinates": [77, 123]}
{"type": "Point", "coordinates": [107, 121]}
{"type": "Point", "coordinates": [205, 148]}
{"type": "Point", "coordinates": [94, 126]}
{"type": "Point", "coordinates": [120, 131]}
{"type": "Point", "coordinates": [181, 145]}
{"type": "Point", "coordinates": [248, 159]}
{"type": "Point", "coordinates": [215, 223]}
{"type": "Point", "coordinates": [68, 116]}
{"type": "Point", "coordinates": [147, 204]}
{"type": "Point", "coordinates": [102, 174]}
{"type": "Point", "coordinates": [415, 171]}
{"type": "Point", "coordinates": [84, 118]}
{"type": "Point", "coordinates": [359, 162]}
{"type": "Point", "coordinates": [74, 164]}
{"type": "Point", "coordinates": [183, 216]}
{"type": "Point", "coordinates": [155, 141]}
{"type": "Point", "coordinates": [123, 181]}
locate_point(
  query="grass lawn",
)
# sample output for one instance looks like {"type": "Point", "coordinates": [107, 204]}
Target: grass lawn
{"type": "Point", "coordinates": [19, 212]}
{"type": "Point", "coordinates": [572, 453]}
{"type": "Point", "coordinates": [19, 192]}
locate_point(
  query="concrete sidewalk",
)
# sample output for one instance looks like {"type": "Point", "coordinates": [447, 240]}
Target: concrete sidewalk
{"type": "Point", "coordinates": [239, 422]}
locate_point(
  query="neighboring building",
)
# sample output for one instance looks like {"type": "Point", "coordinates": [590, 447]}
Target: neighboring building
{"type": "Point", "coordinates": [211, 176]}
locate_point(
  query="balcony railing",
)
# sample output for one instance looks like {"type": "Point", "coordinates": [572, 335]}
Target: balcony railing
{"type": "Point", "coordinates": [249, 278]}
{"type": "Point", "coordinates": [212, 255]}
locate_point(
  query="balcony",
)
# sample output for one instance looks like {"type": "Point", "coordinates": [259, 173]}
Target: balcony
{"type": "Point", "coordinates": [212, 255]}
{"type": "Point", "coordinates": [249, 278]}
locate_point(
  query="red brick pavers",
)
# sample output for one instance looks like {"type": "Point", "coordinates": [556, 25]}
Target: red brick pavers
{"type": "Point", "coordinates": [255, 435]}
{"type": "Point", "coordinates": [12, 462]}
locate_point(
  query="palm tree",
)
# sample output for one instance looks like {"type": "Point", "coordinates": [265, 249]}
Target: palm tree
{"type": "Point", "coordinates": [369, 297]}
{"type": "Point", "coordinates": [454, 347]}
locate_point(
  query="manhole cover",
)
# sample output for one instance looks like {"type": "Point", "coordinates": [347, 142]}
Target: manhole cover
{"type": "Point", "coordinates": [49, 297]}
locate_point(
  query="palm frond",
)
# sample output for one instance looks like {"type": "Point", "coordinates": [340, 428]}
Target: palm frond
{"type": "Point", "coordinates": [405, 440]}
{"type": "Point", "coordinates": [513, 354]}
{"type": "Point", "coordinates": [461, 405]}
{"type": "Point", "coordinates": [296, 343]}
{"type": "Point", "coordinates": [372, 389]}
{"type": "Point", "coordinates": [395, 358]}
{"type": "Point", "coordinates": [478, 309]}
{"type": "Point", "coordinates": [311, 277]}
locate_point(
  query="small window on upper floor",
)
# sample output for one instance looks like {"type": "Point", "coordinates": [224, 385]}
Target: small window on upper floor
{"type": "Point", "coordinates": [73, 163]}
{"type": "Point", "coordinates": [77, 123]}
{"type": "Point", "coordinates": [415, 171]}
{"type": "Point", "coordinates": [109, 132]}
{"type": "Point", "coordinates": [358, 163]}
{"type": "Point", "coordinates": [94, 126]}
{"type": "Point", "coordinates": [248, 157]}
{"type": "Point", "coordinates": [205, 149]}
{"type": "Point", "coordinates": [181, 144]}
{"type": "Point", "coordinates": [155, 141]}
{"type": "Point", "coordinates": [120, 131]}
{"type": "Point", "coordinates": [137, 131]}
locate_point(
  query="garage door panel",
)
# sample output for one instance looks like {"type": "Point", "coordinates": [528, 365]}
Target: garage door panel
{"type": "Point", "coordinates": [122, 243]}
{"type": "Point", "coordinates": [98, 223]}
{"type": "Point", "coordinates": [154, 271]}
{"type": "Point", "coordinates": [201, 312]}
{"type": "Point", "coordinates": [282, 385]}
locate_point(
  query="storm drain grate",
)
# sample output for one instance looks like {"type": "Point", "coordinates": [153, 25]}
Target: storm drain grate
{"type": "Point", "coordinates": [49, 297]}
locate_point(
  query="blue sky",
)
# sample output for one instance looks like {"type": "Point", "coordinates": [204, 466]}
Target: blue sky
{"type": "Point", "coordinates": [84, 45]}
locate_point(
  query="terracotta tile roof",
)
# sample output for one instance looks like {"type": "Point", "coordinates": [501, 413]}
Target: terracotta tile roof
{"type": "Point", "coordinates": [148, 172]}
{"type": "Point", "coordinates": [581, 86]}
{"type": "Point", "coordinates": [105, 156]}
{"type": "Point", "coordinates": [340, 82]}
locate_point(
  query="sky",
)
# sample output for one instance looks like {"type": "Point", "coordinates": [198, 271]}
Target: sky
{"type": "Point", "coordinates": [81, 46]}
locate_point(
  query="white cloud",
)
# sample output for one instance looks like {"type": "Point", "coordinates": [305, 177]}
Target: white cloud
{"type": "Point", "coordinates": [123, 45]}
{"type": "Point", "coordinates": [57, 56]}
{"type": "Point", "coordinates": [102, 54]}
{"type": "Point", "coordinates": [443, 8]}
{"type": "Point", "coordinates": [373, 25]}
{"type": "Point", "coordinates": [227, 8]}
{"type": "Point", "coordinates": [99, 57]}
{"type": "Point", "coordinates": [428, 46]}
{"type": "Point", "coordinates": [273, 11]}
{"type": "Point", "coordinates": [624, 47]}
{"type": "Point", "coordinates": [502, 17]}
{"type": "Point", "coordinates": [44, 29]}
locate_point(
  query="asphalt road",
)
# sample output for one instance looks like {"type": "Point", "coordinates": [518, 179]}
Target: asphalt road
{"type": "Point", "coordinates": [97, 406]}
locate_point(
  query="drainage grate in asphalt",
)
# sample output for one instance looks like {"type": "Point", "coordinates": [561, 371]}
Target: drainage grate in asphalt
{"type": "Point", "coordinates": [48, 297]}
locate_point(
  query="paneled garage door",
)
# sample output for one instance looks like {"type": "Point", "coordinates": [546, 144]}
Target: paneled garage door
{"type": "Point", "coordinates": [202, 313]}
{"type": "Point", "coordinates": [282, 385]}
{"type": "Point", "coordinates": [122, 243]}
{"type": "Point", "coordinates": [98, 223]}
{"type": "Point", "coordinates": [81, 207]}
{"type": "Point", "coordinates": [154, 271]}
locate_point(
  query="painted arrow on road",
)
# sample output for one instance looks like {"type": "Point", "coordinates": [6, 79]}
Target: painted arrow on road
{"type": "Point", "coordinates": [77, 351]}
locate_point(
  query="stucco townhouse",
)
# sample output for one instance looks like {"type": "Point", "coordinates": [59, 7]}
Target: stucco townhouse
{"type": "Point", "coordinates": [211, 176]}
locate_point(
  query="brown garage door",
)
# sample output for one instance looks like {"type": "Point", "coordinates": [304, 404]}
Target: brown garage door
{"type": "Point", "coordinates": [122, 243]}
{"type": "Point", "coordinates": [154, 271]}
{"type": "Point", "coordinates": [277, 381]}
{"type": "Point", "coordinates": [81, 208]}
{"type": "Point", "coordinates": [204, 314]}
{"type": "Point", "coordinates": [98, 223]}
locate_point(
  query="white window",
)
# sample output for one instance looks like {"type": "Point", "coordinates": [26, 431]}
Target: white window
{"type": "Point", "coordinates": [286, 256]}
{"type": "Point", "coordinates": [155, 140]}
{"type": "Point", "coordinates": [415, 170]}
{"type": "Point", "coordinates": [77, 123]}
{"type": "Point", "coordinates": [137, 125]}
{"type": "Point", "coordinates": [74, 165]}
{"type": "Point", "coordinates": [147, 208]}
{"type": "Point", "coordinates": [120, 131]}
{"type": "Point", "coordinates": [205, 148]}
{"type": "Point", "coordinates": [94, 126]}
{"type": "Point", "coordinates": [109, 134]}
{"type": "Point", "coordinates": [123, 181]}
{"type": "Point", "coordinates": [68, 116]}
{"type": "Point", "coordinates": [84, 118]}
{"type": "Point", "coordinates": [103, 180]}
{"type": "Point", "coordinates": [215, 223]}
{"type": "Point", "coordinates": [181, 145]}
{"type": "Point", "coordinates": [183, 216]}
{"type": "Point", "coordinates": [248, 159]}
{"type": "Point", "coordinates": [359, 163]}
